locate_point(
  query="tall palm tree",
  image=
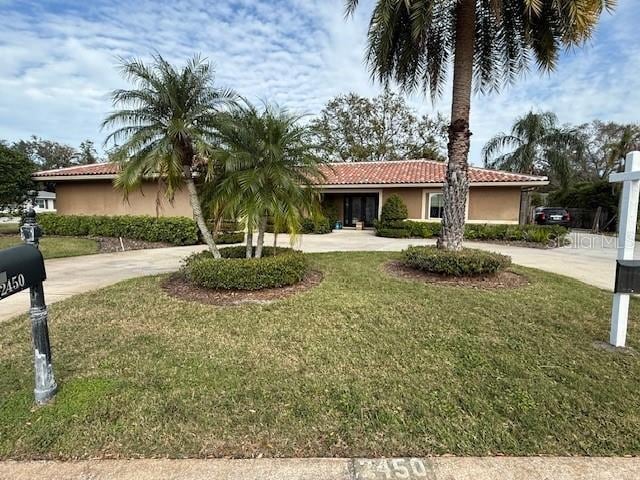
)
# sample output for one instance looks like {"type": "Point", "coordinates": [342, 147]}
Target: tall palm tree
{"type": "Point", "coordinates": [488, 41]}
{"type": "Point", "coordinates": [536, 144]}
{"type": "Point", "coordinates": [268, 169]}
{"type": "Point", "coordinates": [163, 124]}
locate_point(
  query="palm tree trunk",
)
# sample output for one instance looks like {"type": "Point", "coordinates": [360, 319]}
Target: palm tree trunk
{"type": "Point", "coordinates": [262, 226]}
{"type": "Point", "coordinates": [197, 213]}
{"type": "Point", "coordinates": [456, 185]}
{"type": "Point", "coordinates": [249, 250]}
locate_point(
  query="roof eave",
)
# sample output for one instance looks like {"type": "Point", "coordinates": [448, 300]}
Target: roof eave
{"type": "Point", "coordinates": [57, 178]}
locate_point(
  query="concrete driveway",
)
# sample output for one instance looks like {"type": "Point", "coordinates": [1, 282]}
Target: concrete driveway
{"type": "Point", "coordinates": [590, 258]}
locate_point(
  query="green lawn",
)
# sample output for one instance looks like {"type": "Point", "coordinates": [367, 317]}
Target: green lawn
{"type": "Point", "coordinates": [9, 228]}
{"type": "Point", "coordinates": [362, 365]}
{"type": "Point", "coordinates": [55, 247]}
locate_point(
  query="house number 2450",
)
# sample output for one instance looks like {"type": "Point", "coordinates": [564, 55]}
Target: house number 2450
{"type": "Point", "coordinates": [11, 285]}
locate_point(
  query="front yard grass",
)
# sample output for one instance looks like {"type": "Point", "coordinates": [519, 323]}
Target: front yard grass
{"type": "Point", "coordinates": [362, 365]}
{"type": "Point", "coordinates": [56, 247]}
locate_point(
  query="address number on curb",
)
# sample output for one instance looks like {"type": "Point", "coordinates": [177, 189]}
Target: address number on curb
{"type": "Point", "coordinates": [11, 285]}
{"type": "Point", "coordinates": [393, 469]}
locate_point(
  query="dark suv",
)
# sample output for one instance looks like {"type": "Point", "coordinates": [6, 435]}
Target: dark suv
{"type": "Point", "coordinates": [552, 216]}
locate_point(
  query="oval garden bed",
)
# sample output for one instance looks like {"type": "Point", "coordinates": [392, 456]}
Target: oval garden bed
{"type": "Point", "coordinates": [234, 279]}
{"type": "Point", "coordinates": [468, 267]}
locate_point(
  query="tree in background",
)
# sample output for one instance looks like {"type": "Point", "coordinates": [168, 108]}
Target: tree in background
{"type": "Point", "coordinates": [87, 154]}
{"type": "Point", "coordinates": [165, 126]}
{"type": "Point", "coordinates": [413, 42]}
{"type": "Point", "coordinates": [50, 155]}
{"type": "Point", "coordinates": [265, 168]}
{"type": "Point", "coordinates": [603, 146]}
{"type": "Point", "coordinates": [15, 180]}
{"type": "Point", "coordinates": [47, 154]}
{"type": "Point", "coordinates": [535, 145]}
{"type": "Point", "coordinates": [352, 128]}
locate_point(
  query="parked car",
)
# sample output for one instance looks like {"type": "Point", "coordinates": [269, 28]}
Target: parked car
{"type": "Point", "coordinates": [552, 216]}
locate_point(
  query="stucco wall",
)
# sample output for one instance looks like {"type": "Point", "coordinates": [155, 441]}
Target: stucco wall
{"type": "Point", "coordinates": [412, 198]}
{"type": "Point", "coordinates": [494, 203]}
{"type": "Point", "coordinates": [98, 197]}
{"type": "Point", "coordinates": [490, 204]}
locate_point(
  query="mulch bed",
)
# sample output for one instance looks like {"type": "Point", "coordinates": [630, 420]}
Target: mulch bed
{"type": "Point", "coordinates": [112, 244]}
{"type": "Point", "coordinates": [505, 279]}
{"type": "Point", "coordinates": [179, 287]}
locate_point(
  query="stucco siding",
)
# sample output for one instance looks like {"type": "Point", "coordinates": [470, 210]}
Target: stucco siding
{"type": "Point", "coordinates": [100, 198]}
{"type": "Point", "coordinates": [494, 204]}
{"type": "Point", "coordinates": [412, 198]}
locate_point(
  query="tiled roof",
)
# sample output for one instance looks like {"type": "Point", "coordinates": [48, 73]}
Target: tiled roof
{"type": "Point", "coordinates": [410, 171]}
{"type": "Point", "coordinates": [357, 173]}
{"type": "Point", "coordinates": [94, 169]}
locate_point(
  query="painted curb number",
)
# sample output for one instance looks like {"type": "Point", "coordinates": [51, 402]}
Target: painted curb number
{"type": "Point", "coordinates": [391, 469]}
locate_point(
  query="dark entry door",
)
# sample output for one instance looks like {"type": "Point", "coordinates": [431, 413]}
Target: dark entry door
{"type": "Point", "coordinates": [361, 207]}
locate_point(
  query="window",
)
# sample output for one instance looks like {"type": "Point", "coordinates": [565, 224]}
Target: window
{"type": "Point", "coordinates": [40, 203]}
{"type": "Point", "coordinates": [434, 205]}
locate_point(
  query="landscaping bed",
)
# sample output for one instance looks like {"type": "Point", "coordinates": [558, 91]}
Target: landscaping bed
{"type": "Point", "coordinates": [56, 247]}
{"type": "Point", "coordinates": [362, 365]}
{"type": "Point", "coordinates": [505, 279]}
{"type": "Point", "coordinates": [179, 287]}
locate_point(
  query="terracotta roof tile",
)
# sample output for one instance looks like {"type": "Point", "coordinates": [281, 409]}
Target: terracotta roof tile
{"type": "Point", "coordinates": [94, 169]}
{"type": "Point", "coordinates": [410, 171]}
{"type": "Point", "coordinates": [357, 173]}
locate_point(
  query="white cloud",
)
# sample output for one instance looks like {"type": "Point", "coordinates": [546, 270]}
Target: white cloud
{"type": "Point", "coordinates": [59, 62]}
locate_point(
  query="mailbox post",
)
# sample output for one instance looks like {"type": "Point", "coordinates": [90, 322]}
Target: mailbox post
{"type": "Point", "coordinates": [45, 383]}
{"type": "Point", "coordinates": [627, 271]}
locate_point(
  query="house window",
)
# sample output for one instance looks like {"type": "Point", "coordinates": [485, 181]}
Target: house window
{"type": "Point", "coordinates": [434, 205]}
{"type": "Point", "coordinates": [40, 203]}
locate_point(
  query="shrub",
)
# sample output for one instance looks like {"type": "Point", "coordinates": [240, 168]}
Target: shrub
{"type": "Point", "coordinates": [174, 230]}
{"type": "Point", "coordinates": [233, 273]}
{"type": "Point", "coordinates": [330, 210]}
{"type": "Point", "coordinates": [393, 232]}
{"type": "Point", "coordinates": [319, 225]}
{"type": "Point", "coordinates": [422, 229]}
{"type": "Point", "coordinates": [229, 231]}
{"type": "Point", "coordinates": [225, 238]}
{"type": "Point", "coordinates": [393, 210]}
{"type": "Point", "coordinates": [465, 263]}
{"type": "Point", "coordinates": [552, 235]}
{"type": "Point", "coordinates": [240, 251]}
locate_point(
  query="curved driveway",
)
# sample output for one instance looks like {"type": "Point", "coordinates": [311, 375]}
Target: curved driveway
{"type": "Point", "coordinates": [590, 258]}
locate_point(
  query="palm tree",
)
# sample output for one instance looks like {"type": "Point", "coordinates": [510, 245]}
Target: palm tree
{"type": "Point", "coordinates": [163, 124]}
{"type": "Point", "coordinates": [488, 41]}
{"type": "Point", "coordinates": [268, 170]}
{"type": "Point", "coordinates": [537, 145]}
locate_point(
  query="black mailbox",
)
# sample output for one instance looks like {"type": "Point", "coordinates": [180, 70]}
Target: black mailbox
{"type": "Point", "coordinates": [627, 276]}
{"type": "Point", "coordinates": [21, 267]}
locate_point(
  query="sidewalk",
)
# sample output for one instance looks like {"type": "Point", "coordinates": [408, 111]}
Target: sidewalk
{"type": "Point", "coordinates": [436, 468]}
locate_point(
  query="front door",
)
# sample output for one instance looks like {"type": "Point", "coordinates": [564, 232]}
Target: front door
{"type": "Point", "coordinates": [360, 207]}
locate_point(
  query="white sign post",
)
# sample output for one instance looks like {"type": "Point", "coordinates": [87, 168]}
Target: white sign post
{"type": "Point", "coordinates": [627, 217]}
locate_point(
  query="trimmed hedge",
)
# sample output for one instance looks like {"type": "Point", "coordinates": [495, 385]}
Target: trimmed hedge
{"type": "Point", "coordinates": [393, 232]}
{"type": "Point", "coordinates": [319, 225]}
{"type": "Point", "coordinates": [174, 230]}
{"type": "Point", "coordinates": [241, 250]}
{"type": "Point", "coordinates": [225, 238]}
{"type": "Point", "coordinates": [234, 273]}
{"type": "Point", "coordinates": [554, 235]}
{"type": "Point", "coordinates": [464, 263]}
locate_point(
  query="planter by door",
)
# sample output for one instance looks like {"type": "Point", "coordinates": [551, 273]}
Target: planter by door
{"type": "Point", "coordinates": [360, 207]}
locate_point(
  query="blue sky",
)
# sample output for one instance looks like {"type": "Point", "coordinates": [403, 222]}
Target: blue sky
{"type": "Point", "coordinates": [58, 62]}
